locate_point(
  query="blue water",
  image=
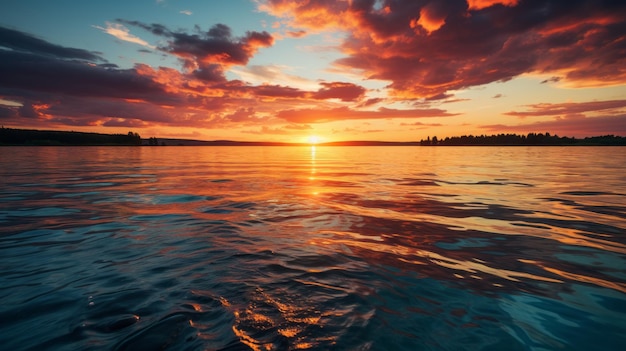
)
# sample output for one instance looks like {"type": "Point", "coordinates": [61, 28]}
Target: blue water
{"type": "Point", "coordinates": [342, 248]}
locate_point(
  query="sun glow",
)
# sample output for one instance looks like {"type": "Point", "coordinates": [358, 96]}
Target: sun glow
{"type": "Point", "coordinates": [314, 139]}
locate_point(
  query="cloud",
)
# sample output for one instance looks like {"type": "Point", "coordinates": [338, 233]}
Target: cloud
{"type": "Point", "coordinates": [122, 33]}
{"type": "Point", "coordinates": [551, 80]}
{"type": "Point", "coordinates": [265, 130]}
{"type": "Point", "coordinates": [208, 53]}
{"type": "Point", "coordinates": [575, 126]}
{"type": "Point", "coordinates": [316, 115]}
{"type": "Point", "coordinates": [431, 17]}
{"type": "Point", "coordinates": [296, 34]}
{"type": "Point", "coordinates": [481, 4]}
{"type": "Point", "coordinates": [25, 43]}
{"type": "Point", "coordinates": [339, 90]}
{"type": "Point", "coordinates": [569, 108]}
{"type": "Point", "coordinates": [51, 75]}
{"type": "Point", "coordinates": [123, 122]}
{"type": "Point", "coordinates": [370, 102]}
{"type": "Point", "coordinates": [217, 45]}
{"type": "Point", "coordinates": [186, 12]}
{"type": "Point", "coordinates": [56, 85]}
{"type": "Point", "coordinates": [64, 90]}
{"type": "Point", "coordinates": [277, 91]}
{"type": "Point", "coordinates": [576, 119]}
{"type": "Point", "coordinates": [7, 112]}
{"type": "Point", "coordinates": [272, 74]}
{"type": "Point", "coordinates": [420, 124]}
{"type": "Point", "coordinates": [429, 48]}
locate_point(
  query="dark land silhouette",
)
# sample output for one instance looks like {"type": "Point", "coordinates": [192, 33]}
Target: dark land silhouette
{"type": "Point", "coordinates": [15, 137]}
{"type": "Point", "coordinates": [10, 136]}
{"type": "Point", "coordinates": [531, 139]}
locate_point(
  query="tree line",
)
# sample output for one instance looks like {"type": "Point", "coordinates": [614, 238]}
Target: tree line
{"type": "Point", "coordinates": [537, 139]}
{"type": "Point", "coordinates": [10, 136]}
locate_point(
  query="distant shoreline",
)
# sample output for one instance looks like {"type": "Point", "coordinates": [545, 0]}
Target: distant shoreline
{"type": "Point", "coordinates": [31, 137]}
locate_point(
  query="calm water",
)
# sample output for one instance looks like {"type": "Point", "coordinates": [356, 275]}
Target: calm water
{"type": "Point", "coordinates": [342, 248]}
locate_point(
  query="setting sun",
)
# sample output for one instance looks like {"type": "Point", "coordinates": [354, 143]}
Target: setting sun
{"type": "Point", "coordinates": [314, 139]}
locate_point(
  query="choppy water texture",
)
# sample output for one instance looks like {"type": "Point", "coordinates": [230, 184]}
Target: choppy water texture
{"type": "Point", "coordinates": [342, 248]}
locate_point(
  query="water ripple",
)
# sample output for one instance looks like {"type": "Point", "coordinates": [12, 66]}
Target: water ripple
{"type": "Point", "coordinates": [330, 248]}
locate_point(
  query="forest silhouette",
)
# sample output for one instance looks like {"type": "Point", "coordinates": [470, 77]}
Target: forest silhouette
{"type": "Point", "coordinates": [11, 137]}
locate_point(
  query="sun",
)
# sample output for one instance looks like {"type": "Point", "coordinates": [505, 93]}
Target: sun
{"type": "Point", "coordinates": [313, 139]}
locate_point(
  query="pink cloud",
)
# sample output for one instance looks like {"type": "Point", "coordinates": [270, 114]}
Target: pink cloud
{"type": "Point", "coordinates": [569, 108]}
{"type": "Point", "coordinates": [574, 126]}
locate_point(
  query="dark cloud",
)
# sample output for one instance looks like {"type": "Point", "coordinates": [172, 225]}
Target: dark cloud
{"type": "Point", "coordinates": [340, 90]}
{"type": "Point", "coordinates": [22, 42]}
{"type": "Point", "coordinates": [209, 72]}
{"type": "Point", "coordinates": [7, 112]}
{"type": "Point", "coordinates": [370, 102]}
{"type": "Point", "coordinates": [440, 96]}
{"type": "Point", "coordinates": [27, 110]}
{"type": "Point", "coordinates": [208, 53]}
{"type": "Point", "coordinates": [154, 28]}
{"type": "Point", "coordinates": [551, 80]}
{"type": "Point", "coordinates": [277, 91]}
{"type": "Point", "coordinates": [32, 72]}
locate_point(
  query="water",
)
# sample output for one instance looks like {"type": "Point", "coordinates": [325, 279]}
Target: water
{"type": "Point", "coordinates": [343, 248]}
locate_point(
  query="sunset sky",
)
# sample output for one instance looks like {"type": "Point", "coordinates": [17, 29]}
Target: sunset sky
{"type": "Point", "coordinates": [286, 70]}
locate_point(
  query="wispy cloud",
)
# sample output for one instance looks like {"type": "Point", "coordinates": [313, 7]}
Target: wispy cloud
{"type": "Point", "coordinates": [576, 126]}
{"type": "Point", "coordinates": [345, 113]}
{"type": "Point", "coordinates": [275, 74]}
{"type": "Point", "coordinates": [25, 43]}
{"type": "Point", "coordinates": [570, 108]}
{"type": "Point", "coordinates": [121, 32]}
{"type": "Point", "coordinates": [186, 12]}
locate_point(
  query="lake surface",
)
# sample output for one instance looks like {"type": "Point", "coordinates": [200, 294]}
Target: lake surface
{"type": "Point", "coordinates": [318, 248]}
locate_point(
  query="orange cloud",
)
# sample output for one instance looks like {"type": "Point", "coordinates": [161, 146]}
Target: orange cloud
{"type": "Point", "coordinates": [583, 42]}
{"type": "Point", "coordinates": [314, 15]}
{"type": "Point", "coordinates": [430, 18]}
{"type": "Point", "coordinates": [481, 4]}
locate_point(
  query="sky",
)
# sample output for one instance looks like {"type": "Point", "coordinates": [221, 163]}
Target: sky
{"type": "Point", "coordinates": [298, 70]}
